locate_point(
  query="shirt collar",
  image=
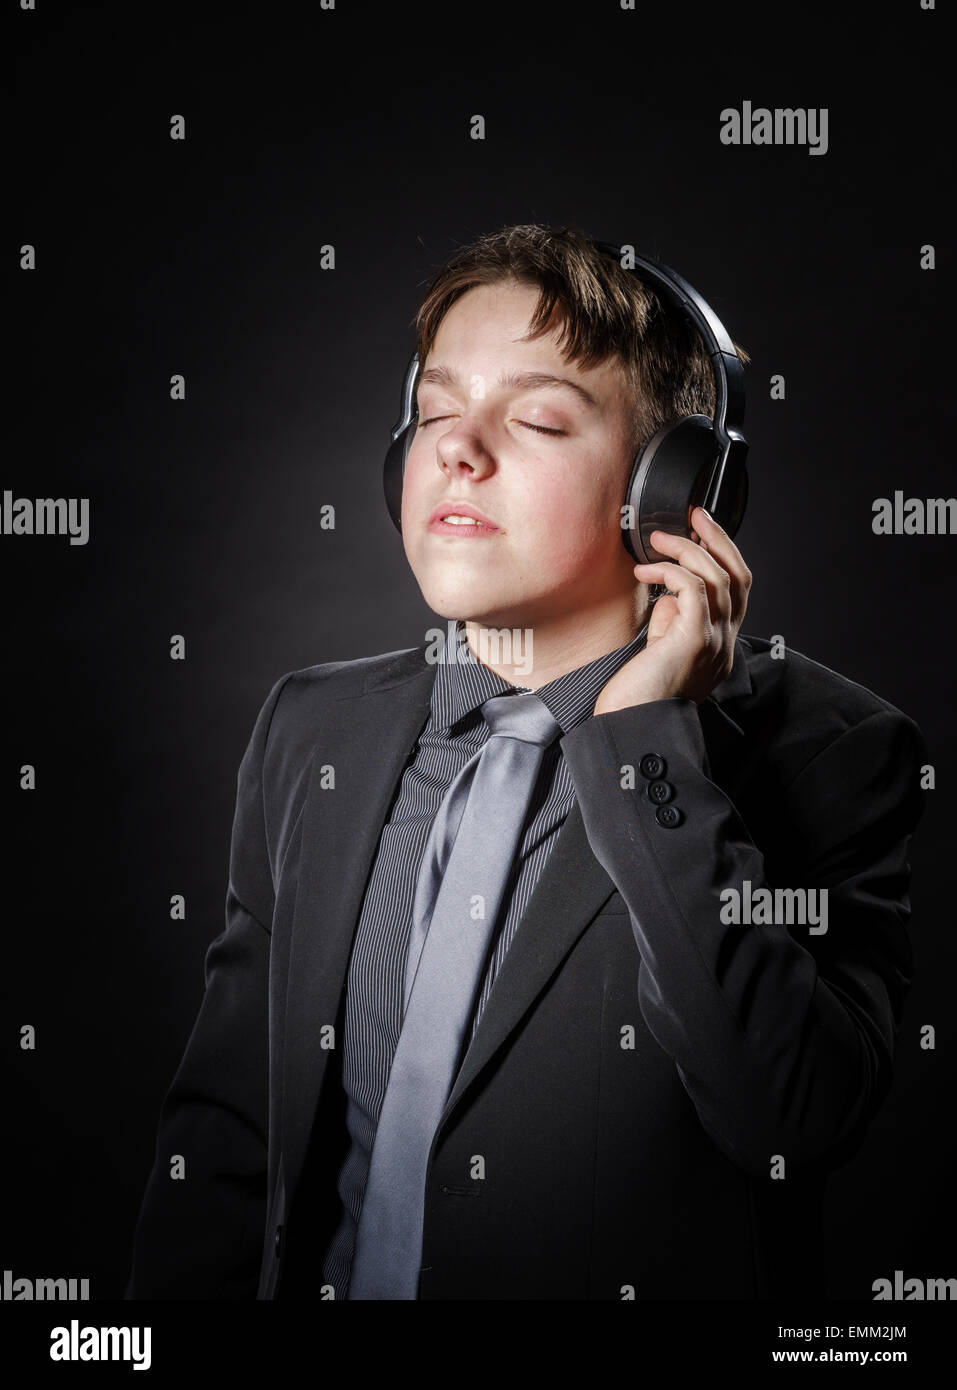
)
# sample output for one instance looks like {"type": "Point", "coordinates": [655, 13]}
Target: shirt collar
{"type": "Point", "coordinates": [463, 683]}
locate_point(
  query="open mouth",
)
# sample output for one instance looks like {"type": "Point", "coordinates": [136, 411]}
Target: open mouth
{"type": "Point", "coordinates": [462, 520]}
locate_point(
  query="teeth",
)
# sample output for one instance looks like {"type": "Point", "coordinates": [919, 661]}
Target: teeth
{"type": "Point", "coordinates": [461, 520]}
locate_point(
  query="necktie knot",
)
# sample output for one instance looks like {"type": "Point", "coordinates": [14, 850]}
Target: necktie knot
{"type": "Point", "coordinates": [524, 717]}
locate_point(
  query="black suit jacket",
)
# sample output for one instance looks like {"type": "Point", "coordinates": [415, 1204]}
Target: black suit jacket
{"type": "Point", "coordinates": [641, 1069]}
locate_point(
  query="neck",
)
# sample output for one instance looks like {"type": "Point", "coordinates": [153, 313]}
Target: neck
{"type": "Point", "coordinates": [536, 654]}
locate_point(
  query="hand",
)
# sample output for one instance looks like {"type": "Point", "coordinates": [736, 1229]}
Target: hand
{"type": "Point", "coordinates": [690, 644]}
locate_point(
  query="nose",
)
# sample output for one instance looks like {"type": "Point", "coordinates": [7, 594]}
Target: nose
{"type": "Point", "coordinates": [461, 453]}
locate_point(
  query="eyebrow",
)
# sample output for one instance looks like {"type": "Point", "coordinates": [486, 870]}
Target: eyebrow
{"type": "Point", "coordinates": [527, 381]}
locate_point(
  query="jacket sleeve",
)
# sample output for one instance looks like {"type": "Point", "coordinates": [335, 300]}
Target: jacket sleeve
{"type": "Point", "coordinates": [782, 1039]}
{"type": "Point", "coordinates": [201, 1235]}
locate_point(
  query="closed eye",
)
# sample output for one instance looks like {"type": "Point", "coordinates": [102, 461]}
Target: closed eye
{"type": "Point", "coordinates": [540, 429]}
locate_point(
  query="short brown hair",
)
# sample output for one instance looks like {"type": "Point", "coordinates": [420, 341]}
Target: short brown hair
{"type": "Point", "coordinates": [603, 309]}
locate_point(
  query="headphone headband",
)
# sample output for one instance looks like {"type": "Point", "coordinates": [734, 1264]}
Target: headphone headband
{"type": "Point", "coordinates": [725, 363]}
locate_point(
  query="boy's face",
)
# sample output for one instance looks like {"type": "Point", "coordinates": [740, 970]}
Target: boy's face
{"type": "Point", "coordinates": [554, 550]}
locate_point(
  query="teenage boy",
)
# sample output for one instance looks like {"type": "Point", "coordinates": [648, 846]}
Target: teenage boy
{"type": "Point", "coordinates": [563, 958]}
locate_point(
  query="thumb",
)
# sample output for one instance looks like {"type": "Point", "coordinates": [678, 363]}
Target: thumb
{"type": "Point", "coordinates": [664, 610]}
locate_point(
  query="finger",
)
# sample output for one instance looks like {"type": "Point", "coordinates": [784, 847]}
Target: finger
{"type": "Point", "coordinates": [689, 589]}
{"type": "Point", "coordinates": [693, 557]}
{"type": "Point", "coordinates": [721, 545]}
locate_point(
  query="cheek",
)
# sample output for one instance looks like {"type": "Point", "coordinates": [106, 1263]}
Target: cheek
{"type": "Point", "coordinates": [566, 529]}
{"type": "Point", "coordinates": [413, 481]}
{"type": "Point", "coordinates": [578, 507]}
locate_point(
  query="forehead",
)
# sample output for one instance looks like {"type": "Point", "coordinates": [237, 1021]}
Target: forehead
{"type": "Point", "coordinates": [489, 322]}
{"type": "Point", "coordinates": [497, 314]}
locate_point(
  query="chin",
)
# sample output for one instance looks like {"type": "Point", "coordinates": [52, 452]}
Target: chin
{"type": "Point", "coordinates": [467, 605]}
{"type": "Point", "coordinates": [473, 603]}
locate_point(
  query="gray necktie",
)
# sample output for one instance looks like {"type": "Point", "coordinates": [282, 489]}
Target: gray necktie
{"type": "Point", "coordinates": [459, 891]}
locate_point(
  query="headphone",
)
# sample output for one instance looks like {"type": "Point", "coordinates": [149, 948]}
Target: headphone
{"type": "Point", "coordinates": [691, 461]}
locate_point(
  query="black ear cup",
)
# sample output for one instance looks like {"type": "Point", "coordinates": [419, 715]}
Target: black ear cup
{"type": "Point", "coordinates": [669, 479]}
{"type": "Point", "coordinates": [733, 501]}
{"type": "Point", "coordinates": [394, 471]}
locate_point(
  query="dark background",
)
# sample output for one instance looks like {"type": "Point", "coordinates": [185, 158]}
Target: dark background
{"type": "Point", "coordinates": [351, 127]}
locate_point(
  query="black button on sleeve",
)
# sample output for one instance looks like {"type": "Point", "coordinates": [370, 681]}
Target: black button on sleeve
{"type": "Point", "coordinates": [652, 766]}
{"type": "Point", "coordinates": [660, 792]}
{"type": "Point", "coordinates": [668, 816]}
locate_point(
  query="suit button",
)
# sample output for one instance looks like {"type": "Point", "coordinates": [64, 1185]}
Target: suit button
{"type": "Point", "coordinates": [278, 1240]}
{"type": "Point", "coordinates": [668, 816]}
{"type": "Point", "coordinates": [652, 766]}
{"type": "Point", "coordinates": [660, 792]}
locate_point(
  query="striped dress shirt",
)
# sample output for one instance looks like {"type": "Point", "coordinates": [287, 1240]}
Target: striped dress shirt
{"type": "Point", "coordinates": [374, 989]}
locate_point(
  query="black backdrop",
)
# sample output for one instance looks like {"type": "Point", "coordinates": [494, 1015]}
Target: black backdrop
{"type": "Point", "coordinates": [350, 127]}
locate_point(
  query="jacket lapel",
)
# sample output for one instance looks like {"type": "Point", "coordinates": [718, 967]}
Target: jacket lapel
{"type": "Point", "coordinates": [570, 892]}
{"type": "Point", "coordinates": [366, 735]}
